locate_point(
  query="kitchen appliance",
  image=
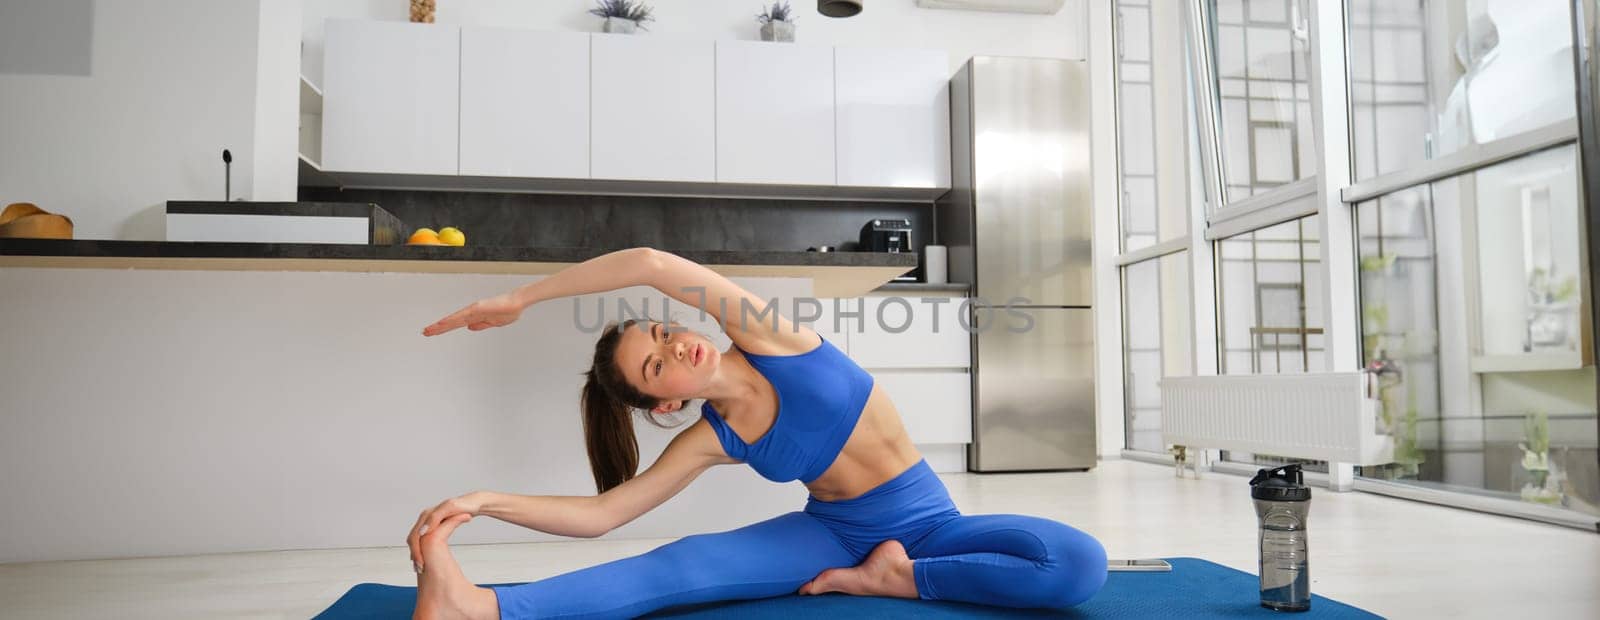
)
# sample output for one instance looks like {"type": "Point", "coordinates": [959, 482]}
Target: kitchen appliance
{"type": "Point", "coordinates": [889, 235]}
{"type": "Point", "coordinates": [886, 235]}
{"type": "Point", "coordinates": [1017, 224]}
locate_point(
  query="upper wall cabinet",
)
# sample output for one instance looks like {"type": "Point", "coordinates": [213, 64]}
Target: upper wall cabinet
{"type": "Point", "coordinates": [390, 97]}
{"type": "Point", "coordinates": [524, 103]}
{"type": "Point", "coordinates": [654, 108]}
{"type": "Point", "coordinates": [427, 105]}
{"type": "Point", "coordinates": [775, 113]}
{"type": "Point", "coordinates": [894, 117]}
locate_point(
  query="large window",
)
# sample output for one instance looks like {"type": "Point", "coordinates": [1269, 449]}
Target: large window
{"type": "Point", "coordinates": [1400, 323]}
{"type": "Point", "coordinates": [1472, 292]}
{"type": "Point", "coordinates": [1270, 301]}
{"type": "Point", "coordinates": [1154, 104]}
{"type": "Point", "coordinates": [1525, 221]}
{"type": "Point", "coordinates": [1429, 77]}
{"type": "Point", "coordinates": [1152, 96]}
{"type": "Point", "coordinates": [1269, 276]}
{"type": "Point", "coordinates": [1462, 205]}
{"type": "Point", "coordinates": [1157, 315]}
{"type": "Point", "coordinates": [1261, 50]}
{"type": "Point", "coordinates": [1494, 256]}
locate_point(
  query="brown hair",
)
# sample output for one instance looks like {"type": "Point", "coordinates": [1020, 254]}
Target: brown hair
{"type": "Point", "coordinates": [608, 401]}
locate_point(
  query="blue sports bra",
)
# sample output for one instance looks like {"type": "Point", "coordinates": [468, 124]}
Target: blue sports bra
{"type": "Point", "coordinates": [820, 396]}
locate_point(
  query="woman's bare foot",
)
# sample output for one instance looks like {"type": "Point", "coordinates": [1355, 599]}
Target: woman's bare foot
{"type": "Point", "coordinates": [442, 590]}
{"type": "Point", "coordinates": [886, 572]}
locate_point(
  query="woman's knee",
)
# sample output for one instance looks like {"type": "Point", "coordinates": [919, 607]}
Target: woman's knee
{"type": "Point", "coordinates": [1078, 563]}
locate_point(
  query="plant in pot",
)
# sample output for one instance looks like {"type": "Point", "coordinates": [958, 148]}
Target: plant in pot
{"type": "Point", "coordinates": [777, 23]}
{"type": "Point", "coordinates": [1543, 485]}
{"type": "Point", "coordinates": [1387, 352]}
{"type": "Point", "coordinates": [622, 16]}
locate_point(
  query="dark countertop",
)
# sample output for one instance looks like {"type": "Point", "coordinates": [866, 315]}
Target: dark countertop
{"type": "Point", "coordinates": [183, 249]}
{"type": "Point", "coordinates": [837, 274]}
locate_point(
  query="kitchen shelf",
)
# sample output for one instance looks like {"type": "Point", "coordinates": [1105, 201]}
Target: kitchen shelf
{"type": "Point", "coordinates": [834, 274]}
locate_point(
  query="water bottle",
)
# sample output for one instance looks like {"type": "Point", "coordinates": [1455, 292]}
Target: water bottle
{"type": "Point", "coordinates": [1282, 501]}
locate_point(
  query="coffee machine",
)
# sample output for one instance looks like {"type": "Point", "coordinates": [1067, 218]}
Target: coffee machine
{"type": "Point", "coordinates": [890, 235]}
{"type": "Point", "coordinates": [886, 235]}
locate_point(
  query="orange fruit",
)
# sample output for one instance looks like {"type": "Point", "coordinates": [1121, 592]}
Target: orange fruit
{"type": "Point", "coordinates": [452, 236]}
{"type": "Point", "coordinates": [424, 236]}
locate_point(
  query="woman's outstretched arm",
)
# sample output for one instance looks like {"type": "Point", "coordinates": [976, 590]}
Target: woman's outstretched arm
{"type": "Point", "coordinates": [607, 272]}
{"type": "Point", "coordinates": [748, 320]}
{"type": "Point", "coordinates": [689, 454]}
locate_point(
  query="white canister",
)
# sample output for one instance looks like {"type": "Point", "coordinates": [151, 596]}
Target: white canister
{"type": "Point", "coordinates": [935, 264]}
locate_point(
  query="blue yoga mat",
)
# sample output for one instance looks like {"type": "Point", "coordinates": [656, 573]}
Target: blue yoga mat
{"type": "Point", "coordinates": [1194, 589]}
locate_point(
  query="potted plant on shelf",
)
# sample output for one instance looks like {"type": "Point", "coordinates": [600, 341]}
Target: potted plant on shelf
{"type": "Point", "coordinates": [777, 23]}
{"type": "Point", "coordinates": [622, 16]}
{"type": "Point", "coordinates": [1552, 309]}
{"type": "Point", "coordinates": [1543, 485]}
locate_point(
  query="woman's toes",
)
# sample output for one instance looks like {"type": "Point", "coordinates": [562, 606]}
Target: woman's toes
{"type": "Point", "coordinates": [816, 584]}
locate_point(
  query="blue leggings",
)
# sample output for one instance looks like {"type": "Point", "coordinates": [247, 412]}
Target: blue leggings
{"type": "Point", "coordinates": [1005, 560]}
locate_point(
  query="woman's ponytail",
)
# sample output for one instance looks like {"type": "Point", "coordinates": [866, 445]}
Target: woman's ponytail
{"type": "Point", "coordinates": [608, 404]}
{"type": "Point", "coordinates": [608, 432]}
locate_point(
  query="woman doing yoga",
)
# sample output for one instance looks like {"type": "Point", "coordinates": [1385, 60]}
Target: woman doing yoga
{"type": "Point", "coordinates": [782, 400]}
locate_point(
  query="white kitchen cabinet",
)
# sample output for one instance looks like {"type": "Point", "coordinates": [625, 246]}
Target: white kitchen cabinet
{"type": "Point", "coordinates": [933, 336]}
{"type": "Point", "coordinates": [893, 117]}
{"type": "Point", "coordinates": [936, 406]}
{"type": "Point", "coordinates": [775, 113]}
{"type": "Point", "coordinates": [390, 97]}
{"type": "Point", "coordinates": [653, 112]}
{"type": "Point", "coordinates": [524, 103]}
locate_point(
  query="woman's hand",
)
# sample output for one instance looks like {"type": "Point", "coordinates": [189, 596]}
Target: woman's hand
{"type": "Point", "coordinates": [497, 311]}
{"type": "Point", "coordinates": [470, 504]}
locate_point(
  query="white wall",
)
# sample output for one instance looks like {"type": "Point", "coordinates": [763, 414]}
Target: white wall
{"type": "Point", "coordinates": [883, 23]}
{"type": "Point", "coordinates": [164, 97]}
{"type": "Point", "coordinates": [153, 413]}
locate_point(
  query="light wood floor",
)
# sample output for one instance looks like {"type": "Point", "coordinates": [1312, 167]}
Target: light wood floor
{"type": "Point", "coordinates": [1394, 557]}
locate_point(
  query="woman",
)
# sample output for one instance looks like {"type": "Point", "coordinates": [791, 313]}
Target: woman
{"type": "Point", "coordinates": [783, 400]}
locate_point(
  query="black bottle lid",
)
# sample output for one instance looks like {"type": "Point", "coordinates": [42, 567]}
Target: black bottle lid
{"type": "Point", "coordinates": [1280, 484]}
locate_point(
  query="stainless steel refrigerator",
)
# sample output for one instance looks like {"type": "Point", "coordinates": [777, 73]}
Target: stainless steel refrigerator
{"type": "Point", "coordinates": [1017, 224]}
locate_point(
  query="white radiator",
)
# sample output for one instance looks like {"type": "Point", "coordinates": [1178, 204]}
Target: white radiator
{"type": "Point", "coordinates": [1320, 416]}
